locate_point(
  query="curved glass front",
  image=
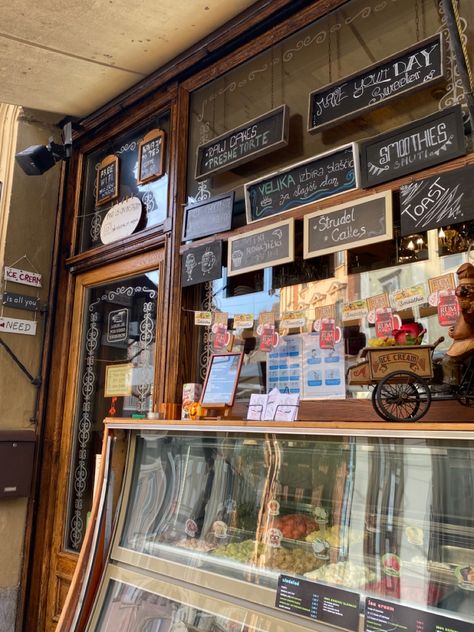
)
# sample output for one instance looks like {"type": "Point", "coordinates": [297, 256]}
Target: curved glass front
{"type": "Point", "coordinates": [387, 517]}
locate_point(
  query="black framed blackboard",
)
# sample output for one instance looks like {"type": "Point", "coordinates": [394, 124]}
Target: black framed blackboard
{"type": "Point", "coordinates": [201, 263]}
{"type": "Point", "coordinates": [365, 221]}
{"type": "Point", "coordinates": [107, 180]}
{"type": "Point", "coordinates": [259, 249]}
{"type": "Point", "coordinates": [319, 602]}
{"type": "Point", "coordinates": [208, 217]}
{"type": "Point", "coordinates": [320, 177]}
{"type": "Point", "coordinates": [447, 198]}
{"type": "Point", "coordinates": [151, 155]}
{"type": "Point", "coordinates": [419, 145]}
{"type": "Point", "coordinates": [386, 616]}
{"type": "Point", "coordinates": [411, 69]}
{"type": "Point", "coordinates": [221, 380]}
{"type": "Point", "coordinates": [254, 138]}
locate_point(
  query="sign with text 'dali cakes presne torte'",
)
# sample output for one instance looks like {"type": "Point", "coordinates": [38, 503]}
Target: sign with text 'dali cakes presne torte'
{"type": "Point", "coordinates": [320, 177]}
{"type": "Point", "coordinates": [414, 68]}
{"type": "Point", "coordinates": [254, 138]}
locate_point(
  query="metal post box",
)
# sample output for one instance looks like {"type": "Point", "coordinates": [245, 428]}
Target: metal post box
{"type": "Point", "coordinates": [17, 448]}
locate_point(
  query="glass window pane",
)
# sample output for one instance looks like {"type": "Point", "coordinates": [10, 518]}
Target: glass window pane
{"type": "Point", "coordinates": [152, 194]}
{"type": "Point", "coordinates": [115, 378]}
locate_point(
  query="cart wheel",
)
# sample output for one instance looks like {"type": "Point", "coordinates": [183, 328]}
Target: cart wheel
{"type": "Point", "coordinates": [402, 396]}
{"type": "Point", "coordinates": [374, 402]}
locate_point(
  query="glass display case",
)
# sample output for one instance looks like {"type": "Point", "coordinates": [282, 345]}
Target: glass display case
{"type": "Point", "coordinates": [383, 514]}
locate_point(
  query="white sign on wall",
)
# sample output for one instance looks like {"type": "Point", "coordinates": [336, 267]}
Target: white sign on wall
{"type": "Point", "coordinates": [121, 220]}
{"type": "Point", "coordinates": [17, 326]}
{"type": "Point", "coordinates": [22, 276]}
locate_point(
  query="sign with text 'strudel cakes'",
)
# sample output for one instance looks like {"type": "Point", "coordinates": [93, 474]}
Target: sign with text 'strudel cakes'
{"type": "Point", "coordinates": [254, 138]}
{"type": "Point", "coordinates": [411, 69]}
{"type": "Point", "coordinates": [201, 263]}
{"type": "Point", "coordinates": [208, 217]}
{"type": "Point", "coordinates": [351, 225]}
{"type": "Point", "coordinates": [424, 143]}
{"type": "Point", "coordinates": [441, 200]}
{"type": "Point", "coordinates": [258, 249]}
{"type": "Point", "coordinates": [317, 178]}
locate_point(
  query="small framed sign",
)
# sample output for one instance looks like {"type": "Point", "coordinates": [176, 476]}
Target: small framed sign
{"type": "Point", "coordinates": [107, 184]}
{"type": "Point", "coordinates": [221, 381]}
{"type": "Point", "coordinates": [151, 155]}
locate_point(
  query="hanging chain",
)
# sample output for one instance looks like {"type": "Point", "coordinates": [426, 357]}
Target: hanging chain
{"type": "Point", "coordinates": [329, 56]}
{"type": "Point", "coordinates": [417, 21]}
{"type": "Point", "coordinates": [272, 86]}
{"type": "Point", "coordinates": [462, 39]}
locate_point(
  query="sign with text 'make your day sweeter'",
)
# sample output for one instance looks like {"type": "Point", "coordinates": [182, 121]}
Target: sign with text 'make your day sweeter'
{"type": "Point", "coordinates": [419, 145]}
{"type": "Point", "coordinates": [320, 177]}
{"type": "Point", "coordinates": [121, 220]}
{"type": "Point", "coordinates": [241, 144]}
{"type": "Point", "coordinates": [258, 249]}
{"type": "Point", "coordinates": [359, 223]}
{"type": "Point", "coordinates": [438, 201]}
{"type": "Point", "coordinates": [411, 69]}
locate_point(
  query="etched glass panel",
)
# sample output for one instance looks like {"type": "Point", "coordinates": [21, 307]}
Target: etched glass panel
{"type": "Point", "coordinates": [115, 378]}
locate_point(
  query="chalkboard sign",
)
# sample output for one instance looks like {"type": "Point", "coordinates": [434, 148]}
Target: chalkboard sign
{"type": "Point", "coordinates": [107, 180]}
{"type": "Point", "coordinates": [209, 217]}
{"type": "Point", "coordinates": [318, 602]}
{"type": "Point", "coordinates": [411, 69]}
{"type": "Point", "coordinates": [320, 177]}
{"type": "Point", "coordinates": [350, 225]}
{"type": "Point", "coordinates": [21, 301]}
{"type": "Point", "coordinates": [419, 145]}
{"type": "Point", "coordinates": [386, 616]}
{"type": "Point", "coordinates": [438, 201]}
{"type": "Point", "coordinates": [221, 380]}
{"type": "Point", "coordinates": [151, 155]}
{"type": "Point", "coordinates": [259, 249]}
{"type": "Point", "coordinates": [241, 144]}
{"type": "Point", "coordinates": [202, 263]}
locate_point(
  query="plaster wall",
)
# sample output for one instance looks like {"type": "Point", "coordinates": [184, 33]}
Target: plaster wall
{"type": "Point", "coordinates": [28, 209]}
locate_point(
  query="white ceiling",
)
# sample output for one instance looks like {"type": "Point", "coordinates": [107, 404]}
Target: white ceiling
{"type": "Point", "coordinates": [73, 57]}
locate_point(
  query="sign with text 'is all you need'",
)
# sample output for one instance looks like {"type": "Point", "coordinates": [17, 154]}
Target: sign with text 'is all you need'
{"type": "Point", "coordinates": [365, 221]}
{"type": "Point", "coordinates": [411, 69]}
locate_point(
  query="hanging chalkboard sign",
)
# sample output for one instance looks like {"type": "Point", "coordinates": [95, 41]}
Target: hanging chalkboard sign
{"type": "Point", "coordinates": [107, 182]}
{"type": "Point", "coordinates": [201, 263]}
{"type": "Point", "coordinates": [438, 201]}
{"type": "Point", "coordinates": [151, 154]}
{"type": "Point", "coordinates": [261, 248]}
{"type": "Point", "coordinates": [209, 217]}
{"type": "Point", "coordinates": [320, 177]}
{"type": "Point", "coordinates": [241, 144]}
{"type": "Point", "coordinates": [365, 221]}
{"type": "Point", "coordinates": [411, 69]}
{"type": "Point", "coordinates": [419, 145]}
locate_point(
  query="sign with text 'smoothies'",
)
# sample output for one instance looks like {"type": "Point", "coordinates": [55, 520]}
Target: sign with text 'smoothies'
{"type": "Point", "coordinates": [419, 145]}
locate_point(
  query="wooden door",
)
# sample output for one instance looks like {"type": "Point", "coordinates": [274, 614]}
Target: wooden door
{"type": "Point", "coordinates": [113, 367]}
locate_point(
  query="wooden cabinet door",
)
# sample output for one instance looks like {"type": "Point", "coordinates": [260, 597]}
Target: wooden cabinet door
{"type": "Point", "coordinates": [112, 368]}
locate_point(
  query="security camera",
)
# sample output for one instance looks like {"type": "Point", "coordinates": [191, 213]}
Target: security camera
{"type": "Point", "coordinates": [37, 159]}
